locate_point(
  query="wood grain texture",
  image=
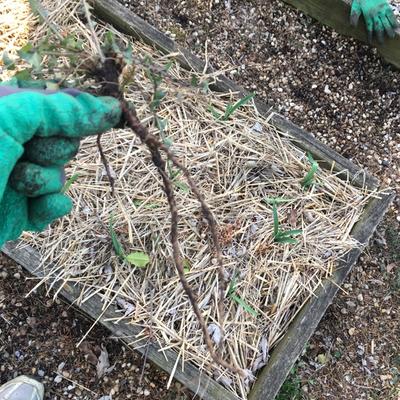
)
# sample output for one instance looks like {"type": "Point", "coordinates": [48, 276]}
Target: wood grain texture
{"type": "Point", "coordinates": [336, 14]}
{"type": "Point", "coordinates": [201, 384]}
{"type": "Point", "coordinates": [128, 22]}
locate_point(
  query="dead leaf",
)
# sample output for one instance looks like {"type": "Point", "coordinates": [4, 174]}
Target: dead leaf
{"type": "Point", "coordinates": [264, 347]}
{"type": "Point", "coordinates": [215, 332]}
{"type": "Point", "coordinates": [103, 364]}
{"type": "Point", "coordinates": [129, 308]}
{"type": "Point", "coordinates": [89, 352]}
{"type": "Point", "coordinates": [258, 364]}
{"type": "Point", "coordinates": [249, 378]}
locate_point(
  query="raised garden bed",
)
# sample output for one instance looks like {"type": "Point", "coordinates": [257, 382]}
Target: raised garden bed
{"type": "Point", "coordinates": [302, 327]}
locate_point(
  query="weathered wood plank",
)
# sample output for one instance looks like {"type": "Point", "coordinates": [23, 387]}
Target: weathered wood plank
{"type": "Point", "coordinates": [336, 14]}
{"type": "Point", "coordinates": [126, 21]}
{"type": "Point", "coordinates": [201, 384]}
{"type": "Point", "coordinates": [300, 331]}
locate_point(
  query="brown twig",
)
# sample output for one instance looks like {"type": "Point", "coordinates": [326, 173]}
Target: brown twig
{"type": "Point", "coordinates": [106, 164]}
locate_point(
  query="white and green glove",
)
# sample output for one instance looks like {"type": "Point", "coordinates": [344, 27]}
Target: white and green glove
{"type": "Point", "coordinates": [378, 16]}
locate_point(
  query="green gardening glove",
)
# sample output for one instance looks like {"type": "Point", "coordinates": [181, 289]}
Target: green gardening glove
{"type": "Point", "coordinates": [40, 131]}
{"type": "Point", "coordinates": [378, 16]}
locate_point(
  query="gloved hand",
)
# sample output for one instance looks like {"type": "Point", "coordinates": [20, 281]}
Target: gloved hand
{"type": "Point", "coordinates": [378, 16]}
{"type": "Point", "coordinates": [39, 132]}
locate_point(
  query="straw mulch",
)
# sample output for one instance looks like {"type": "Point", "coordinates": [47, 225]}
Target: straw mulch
{"type": "Point", "coordinates": [16, 25]}
{"type": "Point", "coordinates": [236, 163]}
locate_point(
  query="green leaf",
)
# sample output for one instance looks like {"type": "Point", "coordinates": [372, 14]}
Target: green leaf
{"type": "Point", "coordinates": [7, 61]}
{"type": "Point", "coordinates": [214, 112]}
{"type": "Point", "coordinates": [244, 305]}
{"type": "Point", "coordinates": [168, 66]}
{"type": "Point", "coordinates": [182, 186]}
{"type": "Point", "coordinates": [110, 42]}
{"type": "Point", "coordinates": [194, 81]}
{"type": "Point", "coordinates": [161, 123]}
{"type": "Point", "coordinates": [71, 43]}
{"type": "Point", "coordinates": [70, 182]}
{"type": "Point", "coordinates": [138, 259]}
{"type": "Point", "coordinates": [168, 142]}
{"type": "Point", "coordinates": [119, 251]}
{"type": "Point", "coordinates": [275, 200]}
{"type": "Point", "coordinates": [308, 180]}
{"type": "Point", "coordinates": [232, 108]}
{"type": "Point", "coordinates": [284, 239]}
{"type": "Point", "coordinates": [276, 219]}
{"type": "Point", "coordinates": [29, 54]}
{"type": "Point", "coordinates": [186, 265]}
{"type": "Point", "coordinates": [24, 75]}
{"type": "Point", "coordinates": [128, 54]}
{"type": "Point", "coordinates": [138, 203]}
{"type": "Point", "coordinates": [157, 98]}
{"type": "Point", "coordinates": [28, 47]}
{"type": "Point", "coordinates": [232, 286]}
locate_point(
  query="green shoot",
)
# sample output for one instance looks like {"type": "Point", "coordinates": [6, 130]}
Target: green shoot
{"type": "Point", "coordinates": [186, 265]}
{"type": "Point", "coordinates": [232, 294]}
{"type": "Point", "coordinates": [194, 81]}
{"type": "Point", "coordinates": [149, 206]}
{"type": "Point", "coordinates": [182, 186]}
{"type": "Point", "coordinates": [308, 180]}
{"type": "Point", "coordinates": [69, 183]}
{"type": "Point", "coordinates": [283, 236]}
{"type": "Point", "coordinates": [231, 108]}
{"type": "Point", "coordinates": [137, 258]}
{"type": "Point", "coordinates": [156, 101]}
{"type": "Point", "coordinates": [119, 251]}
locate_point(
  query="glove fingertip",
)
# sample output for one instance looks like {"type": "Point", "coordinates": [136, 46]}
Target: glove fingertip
{"type": "Point", "coordinates": [44, 210]}
{"type": "Point", "coordinates": [106, 112]}
{"type": "Point", "coordinates": [113, 111]}
{"type": "Point", "coordinates": [354, 18]}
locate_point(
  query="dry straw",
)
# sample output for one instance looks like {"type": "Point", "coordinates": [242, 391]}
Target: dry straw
{"type": "Point", "coordinates": [236, 163]}
{"type": "Point", "coordinates": [16, 25]}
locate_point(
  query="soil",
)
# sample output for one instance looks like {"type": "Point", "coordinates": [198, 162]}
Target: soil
{"type": "Point", "coordinates": [39, 336]}
{"type": "Point", "coordinates": [332, 86]}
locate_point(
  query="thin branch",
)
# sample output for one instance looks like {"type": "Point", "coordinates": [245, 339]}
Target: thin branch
{"type": "Point", "coordinates": [93, 32]}
{"type": "Point", "coordinates": [106, 165]}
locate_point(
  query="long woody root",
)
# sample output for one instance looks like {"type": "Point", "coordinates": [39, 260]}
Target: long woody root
{"type": "Point", "coordinates": [155, 146]}
{"type": "Point", "coordinates": [109, 73]}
